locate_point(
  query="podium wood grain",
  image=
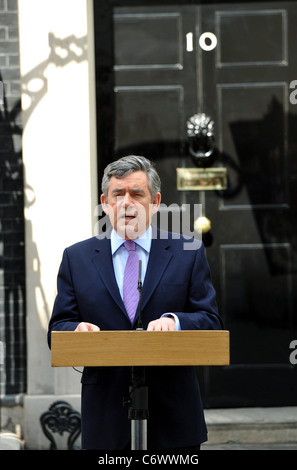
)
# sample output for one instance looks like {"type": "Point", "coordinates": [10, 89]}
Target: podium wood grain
{"type": "Point", "coordinates": [140, 348]}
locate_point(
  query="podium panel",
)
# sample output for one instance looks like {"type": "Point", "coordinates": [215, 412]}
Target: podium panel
{"type": "Point", "coordinates": [140, 348]}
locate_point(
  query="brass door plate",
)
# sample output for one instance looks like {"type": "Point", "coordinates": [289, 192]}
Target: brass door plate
{"type": "Point", "coordinates": [197, 179]}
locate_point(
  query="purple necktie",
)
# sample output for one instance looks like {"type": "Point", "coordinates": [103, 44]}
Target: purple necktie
{"type": "Point", "coordinates": [130, 292]}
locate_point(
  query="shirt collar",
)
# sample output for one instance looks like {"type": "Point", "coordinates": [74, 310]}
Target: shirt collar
{"type": "Point", "coordinates": [144, 241]}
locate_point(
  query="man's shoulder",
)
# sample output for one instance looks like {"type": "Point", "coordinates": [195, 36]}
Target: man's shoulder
{"type": "Point", "coordinates": [177, 240]}
{"type": "Point", "coordinates": [91, 243]}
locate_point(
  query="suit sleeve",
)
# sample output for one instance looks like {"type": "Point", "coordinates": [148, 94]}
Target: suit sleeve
{"type": "Point", "coordinates": [202, 311]}
{"type": "Point", "coordinates": [65, 315]}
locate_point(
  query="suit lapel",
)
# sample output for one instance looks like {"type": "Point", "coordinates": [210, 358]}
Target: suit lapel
{"type": "Point", "coordinates": [104, 265]}
{"type": "Point", "coordinates": [159, 259]}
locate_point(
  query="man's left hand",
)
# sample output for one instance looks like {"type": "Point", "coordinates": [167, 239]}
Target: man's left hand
{"type": "Point", "coordinates": [162, 324]}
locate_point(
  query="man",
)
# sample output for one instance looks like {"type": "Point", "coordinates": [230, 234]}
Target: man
{"type": "Point", "coordinates": [177, 293]}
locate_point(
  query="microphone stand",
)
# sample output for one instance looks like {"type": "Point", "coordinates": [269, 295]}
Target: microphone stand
{"type": "Point", "coordinates": [138, 393]}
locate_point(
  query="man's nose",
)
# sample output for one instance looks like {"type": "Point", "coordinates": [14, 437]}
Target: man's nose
{"type": "Point", "coordinates": [127, 200]}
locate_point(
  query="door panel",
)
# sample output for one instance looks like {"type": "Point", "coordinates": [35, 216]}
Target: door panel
{"type": "Point", "coordinates": [258, 36]}
{"type": "Point", "coordinates": [256, 137]}
{"type": "Point", "coordinates": [159, 76]}
{"type": "Point", "coordinates": [147, 40]}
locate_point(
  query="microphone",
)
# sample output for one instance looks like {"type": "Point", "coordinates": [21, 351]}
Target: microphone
{"type": "Point", "coordinates": [139, 288]}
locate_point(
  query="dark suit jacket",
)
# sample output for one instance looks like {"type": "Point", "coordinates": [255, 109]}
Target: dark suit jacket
{"type": "Point", "coordinates": [178, 281]}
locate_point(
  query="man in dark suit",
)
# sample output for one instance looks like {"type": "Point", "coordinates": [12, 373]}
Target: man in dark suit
{"type": "Point", "coordinates": [177, 294]}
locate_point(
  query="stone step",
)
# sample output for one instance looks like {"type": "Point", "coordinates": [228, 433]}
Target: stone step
{"type": "Point", "coordinates": [10, 441]}
{"type": "Point", "coordinates": [236, 428]}
{"type": "Point", "coordinates": [260, 426]}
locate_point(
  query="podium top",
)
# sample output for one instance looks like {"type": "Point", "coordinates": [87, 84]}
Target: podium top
{"type": "Point", "coordinates": [140, 348]}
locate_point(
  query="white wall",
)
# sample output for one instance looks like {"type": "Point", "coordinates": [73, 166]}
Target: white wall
{"type": "Point", "coordinates": [59, 153]}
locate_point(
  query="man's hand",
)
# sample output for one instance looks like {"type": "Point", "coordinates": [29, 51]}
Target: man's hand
{"type": "Point", "coordinates": [83, 326]}
{"type": "Point", "coordinates": [162, 324]}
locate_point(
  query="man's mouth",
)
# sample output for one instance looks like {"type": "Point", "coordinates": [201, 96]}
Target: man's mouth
{"type": "Point", "coordinates": [129, 219]}
{"type": "Point", "coordinates": [129, 216]}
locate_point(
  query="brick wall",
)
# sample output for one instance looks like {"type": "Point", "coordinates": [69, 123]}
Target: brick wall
{"type": "Point", "coordinates": [12, 250]}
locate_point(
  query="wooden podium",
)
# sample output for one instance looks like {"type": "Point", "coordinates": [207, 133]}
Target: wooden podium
{"type": "Point", "coordinates": [138, 349]}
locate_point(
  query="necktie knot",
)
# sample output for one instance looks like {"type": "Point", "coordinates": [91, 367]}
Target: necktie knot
{"type": "Point", "coordinates": [129, 245]}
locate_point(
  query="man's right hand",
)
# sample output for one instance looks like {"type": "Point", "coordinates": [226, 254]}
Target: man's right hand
{"type": "Point", "coordinates": [83, 326]}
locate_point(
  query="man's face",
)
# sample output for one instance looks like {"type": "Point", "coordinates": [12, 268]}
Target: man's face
{"type": "Point", "coordinates": [129, 204]}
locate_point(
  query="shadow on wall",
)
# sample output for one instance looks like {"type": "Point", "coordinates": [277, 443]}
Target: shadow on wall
{"type": "Point", "coordinates": [15, 195]}
{"type": "Point", "coordinates": [62, 52]}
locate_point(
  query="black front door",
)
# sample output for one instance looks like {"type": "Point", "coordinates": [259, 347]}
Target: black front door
{"type": "Point", "coordinates": [155, 68]}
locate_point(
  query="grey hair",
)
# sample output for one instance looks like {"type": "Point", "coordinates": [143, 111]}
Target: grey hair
{"type": "Point", "coordinates": [126, 165]}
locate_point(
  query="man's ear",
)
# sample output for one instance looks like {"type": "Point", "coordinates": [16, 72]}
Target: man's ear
{"type": "Point", "coordinates": [104, 203]}
{"type": "Point", "coordinates": [156, 203]}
